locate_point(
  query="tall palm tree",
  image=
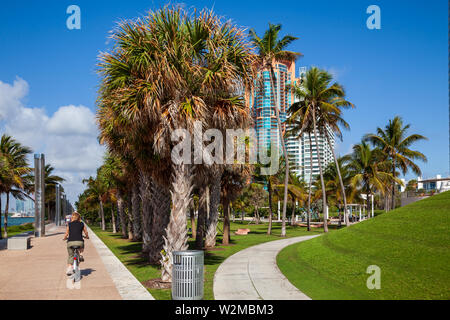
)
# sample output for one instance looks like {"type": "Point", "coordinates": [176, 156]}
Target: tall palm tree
{"type": "Point", "coordinates": [166, 72]}
{"type": "Point", "coordinates": [271, 49]}
{"type": "Point", "coordinates": [319, 110]}
{"type": "Point", "coordinates": [366, 167]}
{"type": "Point", "coordinates": [14, 155]}
{"type": "Point", "coordinates": [99, 189]}
{"type": "Point", "coordinates": [395, 143]}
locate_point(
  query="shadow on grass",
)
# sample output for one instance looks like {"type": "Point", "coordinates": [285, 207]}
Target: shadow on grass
{"type": "Point", "coordinates": [132, 247]}
{"type": "Point", "coordinates": [212, 259]}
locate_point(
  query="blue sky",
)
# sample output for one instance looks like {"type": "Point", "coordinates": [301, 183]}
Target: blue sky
{"type": "Point", "coordinates": [401, 69]}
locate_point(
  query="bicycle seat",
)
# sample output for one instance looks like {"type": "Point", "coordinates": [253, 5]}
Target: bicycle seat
{"type": "Point", "coordinates": [75, 247]}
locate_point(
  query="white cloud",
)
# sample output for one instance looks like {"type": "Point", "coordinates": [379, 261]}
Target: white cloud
{"type": "Point", "coordinates": [68, 138]}
{"type": "Point", "coordinates": [10, 97]}
{"type": "Point", "coordinates": [72, 120]}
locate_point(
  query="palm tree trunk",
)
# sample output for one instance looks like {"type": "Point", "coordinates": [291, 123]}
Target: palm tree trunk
{"type": "Point", "coordinates": [293, 214]}
{"type": "Point", "coordinates": [136, 213]}
{"type": "Point", "coordinates": [393, 185]}
{"type": "Point", "coordinates": [5, 224]}
{"type": "Point", "coordinates": [226, 222]}
{"type": "Point", "coordinates": [308, 215]}
{"type": "Point", "coordinates": [213, 220]}
{"type": "Point", "coordinates": [283, 146]}
{"type": "Point", "coordinates": [202, 210]}
{"type": "Point", "coordinates": [324, 196]}
{"type": "Point", "coordinates": [176, 232]}
{"type": "Point", "coordinates": [102, 215]}
{"type": "Point", "coordinates": [113, 219]}
{"type": "Point", "coordinates": [129, 219]}
{"type": "Point", "coordinates": [339, 215]}
{"type": "Point", "coordinates": [121, 214]}
{"type": "Point", "coordinates": [160, 203]}
{"type": "Point", "coordinates": [147, 210]}
{"type": "Point", "coordinates": [269, 187]}
{"type": "Point", "coordinates": [129, 228]}
{"type": "Point", "coordinates": [192, 217]}
{"type": "Point", "coordinates": [344, 197]}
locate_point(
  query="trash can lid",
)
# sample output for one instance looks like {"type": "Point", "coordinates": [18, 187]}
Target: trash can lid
{"type": "Point", "coordinates": [188, 253]}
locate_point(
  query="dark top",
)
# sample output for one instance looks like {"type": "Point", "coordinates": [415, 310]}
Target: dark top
{"type": "Point", "coordinates": [76, 231]}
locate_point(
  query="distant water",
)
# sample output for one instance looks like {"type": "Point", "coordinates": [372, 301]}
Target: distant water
{"type": "Point", "coordinates": [17, 221]}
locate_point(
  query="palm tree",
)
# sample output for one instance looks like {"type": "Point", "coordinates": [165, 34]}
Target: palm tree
{"type": "Point", "coordinates": [234, 178]}
{"type": "Point", "coordinates": [319, 110]}
{"type": "Point", "coordinates": [4, 179]}
{"type": "Point", "coordinates": [366, 168]}
{"type": "Point", "coordinates": [99, 189]}
{"type": "Point", "coordinates": [166, 72]}
{"type": "Point", "coordinates": [396, 145]}
{"type": "Point", "coordinates": [271, 49]}
{"type": "Point", "coordinates": [14, 155]}
{"type": "Point", "coordinates": [51, 181]}
{"type": "Point", "coordinates": [297, 191]}
{"type": "Point", "coordinates": [333, 176]}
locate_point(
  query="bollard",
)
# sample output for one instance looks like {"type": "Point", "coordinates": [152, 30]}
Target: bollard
{"type": "Point", "coordinates": [187, 275]}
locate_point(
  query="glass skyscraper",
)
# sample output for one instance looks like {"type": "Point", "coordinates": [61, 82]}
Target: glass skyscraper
{"type": "Point", "coordinates": [261, 102]}
{"type": "Point", "coordinates": [265, 122]}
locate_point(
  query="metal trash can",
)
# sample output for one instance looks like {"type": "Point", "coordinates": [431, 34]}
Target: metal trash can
{"type": "Point", "coordinates": [187, 275]}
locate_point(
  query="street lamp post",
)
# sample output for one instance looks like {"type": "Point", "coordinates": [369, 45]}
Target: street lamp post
{"type": "Point", "coordinates": [58, 205]}
{"type": "Point", "coordinates": [39, 195]}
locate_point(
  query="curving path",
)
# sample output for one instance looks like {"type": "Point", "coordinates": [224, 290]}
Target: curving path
{"type": "Point", "coordinates": [253, 274]}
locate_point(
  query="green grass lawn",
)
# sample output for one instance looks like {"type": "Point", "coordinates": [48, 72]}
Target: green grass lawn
{"type": "Point", "coordinates": [411, 245]}
{"type": "Point", "coordinates": [129, 252]}
{"type": "Point", "coordinates": [13, 230]}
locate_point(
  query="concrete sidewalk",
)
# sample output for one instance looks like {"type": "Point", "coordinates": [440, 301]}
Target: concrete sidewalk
{"type": "Point", "coordinates": [253, 274]}
{"type": "Point", "coordinates": [39, 273]}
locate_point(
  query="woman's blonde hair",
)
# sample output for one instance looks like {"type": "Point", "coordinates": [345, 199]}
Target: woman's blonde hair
{"type": "Point", "coordinates": [76, 216]}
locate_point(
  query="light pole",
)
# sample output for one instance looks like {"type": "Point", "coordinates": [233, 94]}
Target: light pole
{"type": "Point", "coordinates": [39, 195]}
{"type": "Point", "coordinates": [58, 205]}
{"type": "Point", "coordinates": [64, 205]}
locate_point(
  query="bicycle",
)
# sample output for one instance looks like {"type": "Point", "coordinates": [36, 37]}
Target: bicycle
{"type": "Point", "coordinates": [76, 275]}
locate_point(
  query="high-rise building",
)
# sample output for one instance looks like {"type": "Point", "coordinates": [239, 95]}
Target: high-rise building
{"type": "Point", "coordinates": [265, 122]}
{"type": "Point", "coordinates": [261, 102]}
{"type": "Point", "coordinates": [323, 148]}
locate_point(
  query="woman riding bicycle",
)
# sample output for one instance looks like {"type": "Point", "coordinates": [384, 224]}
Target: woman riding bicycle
{"type": "Point", "coordinates": [74, 234]}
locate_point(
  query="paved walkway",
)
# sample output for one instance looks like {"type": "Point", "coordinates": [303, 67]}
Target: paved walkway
{"type": "Point", "coordinates": [253, 274]}
{"type": "Point", "coordinates": [39, 273]}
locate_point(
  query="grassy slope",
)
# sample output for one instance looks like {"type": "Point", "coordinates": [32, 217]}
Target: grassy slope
{"type": "Point", "coordinates": [128, 253]}
{"type": "Point", "coordinates": [411, 245]}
